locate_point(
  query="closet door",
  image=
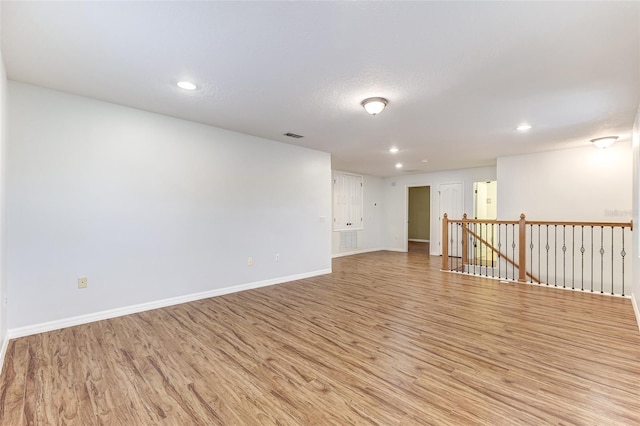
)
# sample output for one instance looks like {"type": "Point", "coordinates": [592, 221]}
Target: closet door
{"type": "Point", "coordinates": [347, 202]}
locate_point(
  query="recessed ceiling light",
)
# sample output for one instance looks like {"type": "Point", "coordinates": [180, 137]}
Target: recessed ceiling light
{"type": "Point", "coordinates": [524, 127]}
{"type": "Point", "coordinates": [425, 161]}
{"type": "Point", "coordinates": [398, 165]}
{"type": "Point", "coordinates": [187, 85]}
{"type": "Point", "coordinates": [393, 150]}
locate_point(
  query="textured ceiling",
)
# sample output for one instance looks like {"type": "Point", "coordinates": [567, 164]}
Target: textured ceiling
{"type": "Point", "coordinates": [459, 76]}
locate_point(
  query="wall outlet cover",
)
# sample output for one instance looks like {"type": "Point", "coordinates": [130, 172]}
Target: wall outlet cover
{"type": "Point", "coordinates": [82, 282]}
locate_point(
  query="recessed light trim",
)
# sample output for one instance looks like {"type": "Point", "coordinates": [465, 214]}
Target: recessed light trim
{"type": "Point", "coordinates": [524, 127]}
{"type": "Point", "coordinates": [187, 85]}
{"type": "Point", "coordinates": [604, 142]}
{"type": "Point", "coordinates": [399, 165]}
{"type": "Point", "coordinates": [394, 150]}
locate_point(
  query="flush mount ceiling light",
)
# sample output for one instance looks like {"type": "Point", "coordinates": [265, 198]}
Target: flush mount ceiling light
{"type": "Point", "coordinates": [374, 106]}
{"type": "Point", "coordinates": [393, 150]}
{"type": "Point", "coordinates": [604, 142]}
{"type": "Point", "coordinates": [398, 165]}
{"type": "Point", "coordinates": [524, 127]}
{"type": "Point", "coordinates": [187, 85]}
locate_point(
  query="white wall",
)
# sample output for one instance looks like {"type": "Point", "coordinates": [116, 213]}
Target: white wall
{"type": "Point", "coordinates": [583, 184]}
{"type": "Point", "coordinates": [635, 288]}
{"type": "Point", "coordinates": [3, 281]}
{"type": "Point", "coordinates": [149, 207]}
{"type": "Point", "coordinates": [395, 192]}
{"type": "Point", "coordinates": [369, 238]}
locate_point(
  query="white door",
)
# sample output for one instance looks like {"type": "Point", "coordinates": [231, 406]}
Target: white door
{"type": "Point", "coordinates": [347, 202]}
{"type": "Point", "coordinates": [451, 202]}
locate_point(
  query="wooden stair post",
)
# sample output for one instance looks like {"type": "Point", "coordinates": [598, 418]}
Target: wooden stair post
{"type": "Point", "coordinates": [522, 249]}
{"type": "Point", "coordinates": [465, 243]}
{"type": "Point", "coordinates": [445, 242]}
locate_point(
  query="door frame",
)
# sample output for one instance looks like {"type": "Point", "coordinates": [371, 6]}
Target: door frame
{"type": "Point", "coordinates": [434, 211]}
{"type": "Point", "coordinates": [405, 241]}
{"type": "Point", "coordinates": [406, 215]}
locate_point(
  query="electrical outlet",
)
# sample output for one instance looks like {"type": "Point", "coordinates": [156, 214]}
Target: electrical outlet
{"type": "Point", "coordinates": [82, 282]}
{"type": "Point", "coordinates": [250, 261]}
{"type": "Point", "coordinates": [277, 257]}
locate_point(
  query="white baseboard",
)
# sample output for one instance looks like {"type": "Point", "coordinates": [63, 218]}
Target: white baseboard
{"type": "Point", "coordinates": [415, 240]}
{"type": "Point", "coordinates": [351, 253]}
{"type": "Point", "coordinates": [133, 309]}
{"type": "Point", "coordinates": [636, 309]}
{"type": "Point", "coordinates": [3, 350]}
{"type": "Point", "coordinates": [396, 249]}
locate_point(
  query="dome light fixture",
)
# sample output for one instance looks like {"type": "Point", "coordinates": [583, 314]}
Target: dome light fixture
{"type": "Point", "coordinates": [393, 150]}
{"type": "Point", "coordinates": [186, 85]}
{"type": "Point", "coordinates": [524, 127]}
{"type": "Point", "coordinates": [374, 106]}
{"type": "Point", "coordinates": [399, 165]}
{"type": "Point", "coordinates": [604, 142]}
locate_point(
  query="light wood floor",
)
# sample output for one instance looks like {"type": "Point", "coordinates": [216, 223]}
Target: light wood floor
{"type": "Point", "coordinates": [386, 339]}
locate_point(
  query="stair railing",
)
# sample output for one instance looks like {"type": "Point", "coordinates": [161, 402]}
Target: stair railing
{"type": "Point", "coordinates": [587, 256]}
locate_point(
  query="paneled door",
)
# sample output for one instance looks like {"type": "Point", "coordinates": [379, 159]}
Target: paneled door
{"type": "Point", "coordinates": [451, 202]}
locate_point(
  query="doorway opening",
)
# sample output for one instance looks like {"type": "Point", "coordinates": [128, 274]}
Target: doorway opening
{"type": "Point", "coordinates": [419, 219]}
{"type": "Point", "coordinates": [485, 195]}
{"type": "Point", "coordinates": [485, 207]}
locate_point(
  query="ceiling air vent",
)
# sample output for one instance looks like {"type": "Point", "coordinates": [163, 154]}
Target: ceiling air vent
{"type": "Point", "coordinates": [293, 135]}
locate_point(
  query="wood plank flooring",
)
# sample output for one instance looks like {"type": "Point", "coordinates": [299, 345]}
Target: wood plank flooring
{"type": "Point", "coordinates": [386, 339]}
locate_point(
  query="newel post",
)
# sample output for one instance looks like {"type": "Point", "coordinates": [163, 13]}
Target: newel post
{"type": "Point", "coordinates": [445, 242]}
{"type": "Point", "coordinates": [465, 242]}
{"type": "Point", "coordinates": [522, 249]}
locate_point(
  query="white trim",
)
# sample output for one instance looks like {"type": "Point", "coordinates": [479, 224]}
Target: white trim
{"type": "Point", "coordinates": [3, 350]}
{"type": "Point", "coordinates": [399, 250]}
{"type": "Point", "coordinates": [350, 253]}
{"type": "Point", "coordinates": [636, 309]}
{"type": "Point", "coordinates": [127, 310]}
{"type": "Point", "coordinates": [405, 230]}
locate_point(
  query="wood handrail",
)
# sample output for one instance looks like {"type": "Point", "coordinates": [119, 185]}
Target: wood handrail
{"type": "Point", "coordinates": [543, 222]}
{"type": "Point", "coordinates": [595, 224]}
{"type": "Point", "coordinates": [488, 221]}
{"type": "Point", "coordinates": [522, 224]}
